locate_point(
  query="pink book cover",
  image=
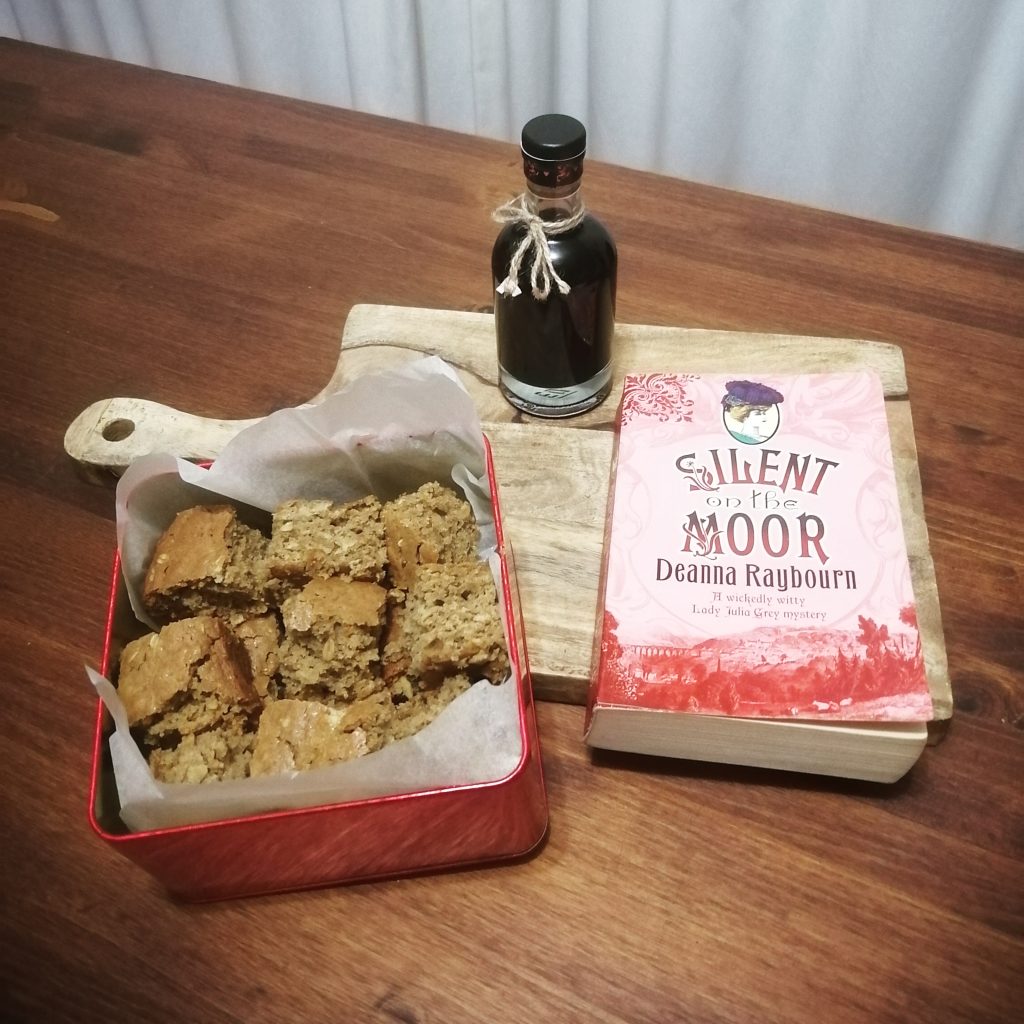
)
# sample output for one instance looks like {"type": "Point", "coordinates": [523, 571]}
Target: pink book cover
{"type": "Point", "coordinates": [755, 559]}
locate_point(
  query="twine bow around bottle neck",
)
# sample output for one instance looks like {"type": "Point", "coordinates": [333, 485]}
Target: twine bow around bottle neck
{"type": "Point", "coordinates": [538, 230]}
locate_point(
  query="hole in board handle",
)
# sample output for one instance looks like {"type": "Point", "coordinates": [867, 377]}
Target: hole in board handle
{"type": "Point", "coordinates": [118, 430]}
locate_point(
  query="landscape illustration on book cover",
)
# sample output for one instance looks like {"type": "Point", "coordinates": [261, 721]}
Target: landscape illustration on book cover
{"type": "Point", "coordinates": [756, 564]}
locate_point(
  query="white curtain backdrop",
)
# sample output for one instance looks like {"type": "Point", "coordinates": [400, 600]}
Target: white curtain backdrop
{"type": "Point", "coordinates": [906, 111]}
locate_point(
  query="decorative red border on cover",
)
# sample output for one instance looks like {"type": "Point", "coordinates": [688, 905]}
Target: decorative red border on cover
{"type": "Point", "coordinates": [660, 396]}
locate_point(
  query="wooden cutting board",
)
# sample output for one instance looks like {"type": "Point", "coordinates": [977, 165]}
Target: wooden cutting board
{"type": "Point", "coordinates": [553, 475]}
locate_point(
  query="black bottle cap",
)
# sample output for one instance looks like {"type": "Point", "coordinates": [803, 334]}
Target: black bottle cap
{"type": "Point", "coordinates": [553, 149]}
{"type": "Point", "coordinates": [554, 137]}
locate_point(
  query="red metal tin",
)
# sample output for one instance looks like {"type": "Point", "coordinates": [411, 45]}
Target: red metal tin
{"type": "Point", "coordinates": [359, 840]}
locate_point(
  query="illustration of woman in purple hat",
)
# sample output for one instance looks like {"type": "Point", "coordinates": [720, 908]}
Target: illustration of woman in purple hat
{"type": "Point", "coordinates": [750, 411]}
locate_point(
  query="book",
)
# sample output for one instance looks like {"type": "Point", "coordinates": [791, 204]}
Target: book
{"type": "Point", "coordinates": [756, 604]}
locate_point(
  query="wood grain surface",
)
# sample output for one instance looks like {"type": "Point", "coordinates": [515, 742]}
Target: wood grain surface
{"type": "Point", "coordinates": [203, 247]}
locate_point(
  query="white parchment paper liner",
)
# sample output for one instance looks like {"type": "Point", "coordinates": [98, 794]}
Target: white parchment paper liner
{"type": "Point", "coordinates": [384, 434]}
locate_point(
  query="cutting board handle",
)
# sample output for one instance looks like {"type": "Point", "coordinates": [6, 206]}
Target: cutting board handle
{"type": "Point", "coordinates": [110, 434]}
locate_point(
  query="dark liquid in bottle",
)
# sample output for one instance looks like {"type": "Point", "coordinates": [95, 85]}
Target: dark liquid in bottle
{"type": "Point", "coordinates": [555, 354]}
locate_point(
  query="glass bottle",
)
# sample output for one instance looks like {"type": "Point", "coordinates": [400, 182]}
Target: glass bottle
{"type": "Point", "coordinates": [554, 352]}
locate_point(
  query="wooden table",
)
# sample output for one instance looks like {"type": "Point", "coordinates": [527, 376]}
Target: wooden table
{"type": "Point", "coordinates": [202, 246]}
